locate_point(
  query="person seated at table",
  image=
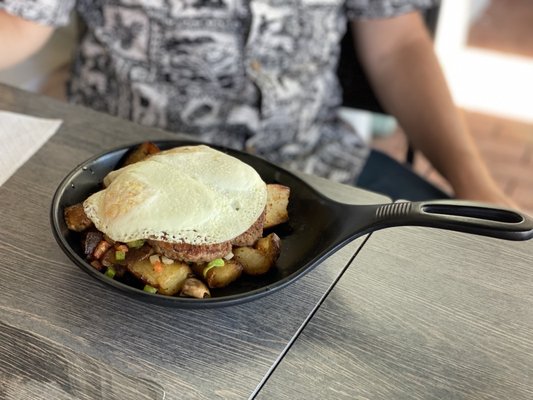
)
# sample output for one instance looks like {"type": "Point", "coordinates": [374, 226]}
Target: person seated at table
{"type": "Point", "coordinates": [260, 76]}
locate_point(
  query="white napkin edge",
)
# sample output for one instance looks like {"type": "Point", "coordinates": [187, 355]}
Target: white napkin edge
{"type": "Point", "coordinates": [21, 136]}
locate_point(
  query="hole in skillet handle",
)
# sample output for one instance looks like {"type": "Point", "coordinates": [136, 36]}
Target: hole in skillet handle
{"type": "Point", "coordinates": [457, 215]}
{"type": "Point", "coordinates": [488, 214]}
{"type": "Point", "coordinates": [477, 218]}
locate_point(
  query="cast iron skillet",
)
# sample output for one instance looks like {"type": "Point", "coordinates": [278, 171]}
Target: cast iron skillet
{"type": "Point", "coordinates": [318, 226]}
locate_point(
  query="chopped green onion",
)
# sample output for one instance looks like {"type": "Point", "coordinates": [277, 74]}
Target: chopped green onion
{"type": "Point", "coordinates": [120, 255]}
{"type": "Point", "coordinates": [135, 244]}
{"type": "Point", "coordinates": [110, 272]}
{"type": "Point", "coordinates": [216, 263]}
{"type": "Point", "coordinates": [150, 289]}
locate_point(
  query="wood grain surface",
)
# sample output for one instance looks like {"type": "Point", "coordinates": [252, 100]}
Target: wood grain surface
{"type": "Point", "coordinates": [420, 314]}
{"type": "Point", "coordinates": [81, 332]}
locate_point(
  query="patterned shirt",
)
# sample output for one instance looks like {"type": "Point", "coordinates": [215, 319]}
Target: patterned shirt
{"type": "Point", "coordinates": [258, 75]}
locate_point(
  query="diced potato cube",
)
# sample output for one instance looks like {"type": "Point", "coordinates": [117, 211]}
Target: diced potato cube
{"type": "Point", "coordinates": [277, 202]}
{"type": "Point", "coordinates": [217, 277]}
{"type": "Point", "coordinates": [168, 280]}
{"type": "Point", "coordinates": [259, 259]}
{"type": "Point", "coordinates": [76, 219]}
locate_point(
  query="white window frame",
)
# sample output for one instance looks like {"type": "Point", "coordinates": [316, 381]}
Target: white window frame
{"type": "Point", "coordinates": [482, 80]}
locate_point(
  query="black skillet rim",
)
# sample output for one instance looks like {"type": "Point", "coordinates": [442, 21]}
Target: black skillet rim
{"type": "Point", "coordinates": [174, 301]}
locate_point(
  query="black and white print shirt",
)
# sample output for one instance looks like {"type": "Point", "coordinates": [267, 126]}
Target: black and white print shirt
{"type": "Point", "coordinates": [258, 75]}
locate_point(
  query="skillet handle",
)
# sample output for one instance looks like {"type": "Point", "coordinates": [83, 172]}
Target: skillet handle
{"type": "Point", "coordinates": [456, 215]}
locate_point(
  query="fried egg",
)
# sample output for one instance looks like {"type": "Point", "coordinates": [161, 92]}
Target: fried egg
{"type": "Point", "coordinates": [192, 194]}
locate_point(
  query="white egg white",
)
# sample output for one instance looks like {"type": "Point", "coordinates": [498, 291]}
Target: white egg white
{"type": "Point", "coordinates": [192, 194]}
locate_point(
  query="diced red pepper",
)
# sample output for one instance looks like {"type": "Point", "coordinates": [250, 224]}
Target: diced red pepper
{"type": "Point", "coordinates": [101, 248]}
{"type": "Point", "coordinates": [158, 266]}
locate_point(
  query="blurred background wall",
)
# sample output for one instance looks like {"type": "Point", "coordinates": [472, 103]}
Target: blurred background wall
{"type": "Point", "coordinates": [486, 50]}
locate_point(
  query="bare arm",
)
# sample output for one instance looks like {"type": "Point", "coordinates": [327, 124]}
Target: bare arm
{"type": "Point", "coordinates": [19, 38]}
{"type": "Point", "coordinates": [398, 56]}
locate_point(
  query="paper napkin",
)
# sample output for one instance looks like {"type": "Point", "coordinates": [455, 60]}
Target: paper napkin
{"type": "Point", "coordinates": [20, 137]}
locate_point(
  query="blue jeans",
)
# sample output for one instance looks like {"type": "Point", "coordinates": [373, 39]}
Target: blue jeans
{"type": "Point", "coordinates": [383, 174]}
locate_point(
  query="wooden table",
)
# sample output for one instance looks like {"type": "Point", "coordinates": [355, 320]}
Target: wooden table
{"type": "Point", "coordinates": [419, 313]}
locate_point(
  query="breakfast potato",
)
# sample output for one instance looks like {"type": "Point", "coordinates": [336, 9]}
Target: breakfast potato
{"type": "Point", "coordinates": [218, 276]}
{"type": "Point", "coordinates": [168, 279]}
{"type": "Point", "coordinates": [270, 246]}
{"type": "Point", "coordinates": [76, 219]}
{"type": "Point", "coordinates": [276, 208]}
{"type": "Point", "coordinates": [140, 153]}
{"type": "Point", "coordinates": [259, 259]}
